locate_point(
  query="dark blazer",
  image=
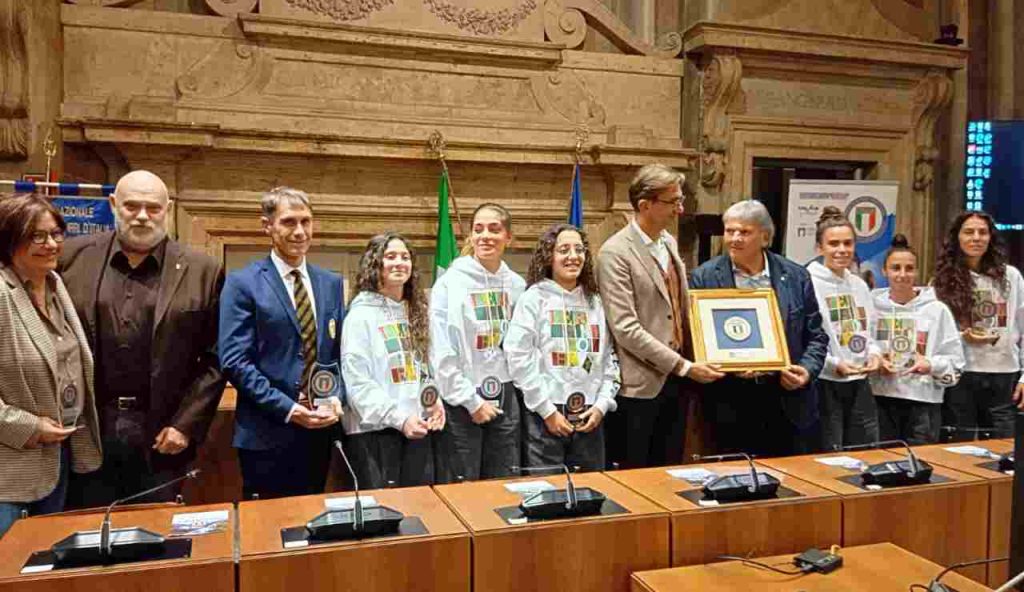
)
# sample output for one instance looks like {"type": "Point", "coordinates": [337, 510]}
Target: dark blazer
{"type": "Point", "coordinates": [186, 383]}
{"type": "Point", "coordinates": [261, 348]}
{"type": "Point", "coordinates": [806, 340]}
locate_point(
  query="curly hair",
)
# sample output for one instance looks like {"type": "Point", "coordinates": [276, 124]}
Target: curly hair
{"type": "Point", "coordinates": [544, 256]}
{"type": "Point", "coordinates": [368, 280]}
{"type": "Point", "coordinates": [953, 284]}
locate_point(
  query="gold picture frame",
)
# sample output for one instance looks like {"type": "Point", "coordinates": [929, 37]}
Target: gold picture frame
{"type": "Point", "coordinates": [740, 330]}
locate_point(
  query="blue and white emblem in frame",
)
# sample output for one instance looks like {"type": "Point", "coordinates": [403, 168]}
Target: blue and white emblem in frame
{"type": "Point", "coordinates": [737, 328]}
{"type": "Point", "coordinates": [858, 343]}
{"type": "Point", "coordinates": [324, 383]}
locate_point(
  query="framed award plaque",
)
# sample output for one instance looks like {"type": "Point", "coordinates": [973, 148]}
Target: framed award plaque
{"type": "Point", "coordinates": [738, 329]}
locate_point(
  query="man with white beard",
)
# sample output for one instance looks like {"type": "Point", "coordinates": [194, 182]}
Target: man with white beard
{"type": "Point", "coordinates": [150, 310]}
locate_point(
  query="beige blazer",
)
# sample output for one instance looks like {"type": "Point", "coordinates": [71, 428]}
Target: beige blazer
{"type": "Point", "coordinates": [639, 311]}
{"type": "Point", "coordinates": [28, 389]}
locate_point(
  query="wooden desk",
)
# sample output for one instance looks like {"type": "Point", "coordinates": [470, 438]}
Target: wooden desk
{"type": "Point", "coordinates": [221, 479]}
{"type": "Point", "coordinates": [424, 563]}
{"type": "Point", "coordinates": [943, 522]}
{"type": "Point", "coordinates": [1000, 495]}
{"type": "Point", "coordinates": [210, 568]}
{"type": "Point", "coordinates": [581, 554]}
{"type": "Point", "coordinates": [882, 567]}
{"type": "Point", "coordinates": [765, 527]}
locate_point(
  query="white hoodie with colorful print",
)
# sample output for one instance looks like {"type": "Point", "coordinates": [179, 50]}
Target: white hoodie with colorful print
{"type": "Point", "coordinates": [847, 314]}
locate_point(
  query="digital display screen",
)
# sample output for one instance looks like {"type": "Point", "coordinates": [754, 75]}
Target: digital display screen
{"type": "Point", "coordinates": [994, 175]}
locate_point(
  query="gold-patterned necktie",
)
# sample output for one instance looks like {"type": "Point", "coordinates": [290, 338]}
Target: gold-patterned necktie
{"type": "Point", "coordinates": [307, 328]}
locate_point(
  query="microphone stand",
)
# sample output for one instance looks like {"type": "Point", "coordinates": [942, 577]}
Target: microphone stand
{"type": "Point", "coordinates": [912, 461]}
{"type": "Point", "coordinates": [572, 501]}
{"type": "Point", "coordinates": [754, 481]}
{"type": "Point", "coordinates": [357, 507]}
{"type": "Point", "coordinates": [106, 544]}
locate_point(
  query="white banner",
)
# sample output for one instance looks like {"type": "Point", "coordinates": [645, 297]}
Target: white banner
{"type": "Point", "coordinates": [869, 205]}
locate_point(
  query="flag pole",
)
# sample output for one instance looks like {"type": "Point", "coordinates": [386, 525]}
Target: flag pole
{"type": "Point", "coordinates": [437, 145]}
{"type": "Point", "coordinates": [582, 133]}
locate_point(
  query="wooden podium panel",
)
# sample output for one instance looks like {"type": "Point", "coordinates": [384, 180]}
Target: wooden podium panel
{"type": "Point", "coordinates": [221, 480]}
{"type": "Point", "coordinates": [210, 568]}
{"type": "Point", "coordinates": [438, 560]}
{"type": "Point", "coordinates": [881, 567]}
{"type": "Point", "coordinates": [1000, 494]}
{"type": "Point", "coordinates": [593, 553]}
{"type": "Point", "coordinates": [943, 522]}
{"type": "Point", "coordinates": [764, 527]}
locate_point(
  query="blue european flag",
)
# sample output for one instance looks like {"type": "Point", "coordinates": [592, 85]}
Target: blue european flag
{"type": "Point", "coordinates": [576, 201]}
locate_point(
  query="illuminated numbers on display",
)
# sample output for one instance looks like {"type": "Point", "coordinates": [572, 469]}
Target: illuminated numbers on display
{"type": "Point", "coordinates": [979, 162]}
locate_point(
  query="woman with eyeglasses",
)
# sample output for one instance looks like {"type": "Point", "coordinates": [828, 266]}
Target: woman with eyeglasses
{"type": "Point", "coordinates": [48, 421]}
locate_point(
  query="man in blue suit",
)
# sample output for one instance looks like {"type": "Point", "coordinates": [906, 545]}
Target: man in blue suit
{"type": "Point", "coordinates": [279, 317]}
{"type": "Point", "coordinates": [769, 414]}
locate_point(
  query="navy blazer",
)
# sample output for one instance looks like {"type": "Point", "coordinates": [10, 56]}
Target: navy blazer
{"type": "Point", "coordinates": [261, 348]}
{"type": "Point", "coordinates": [798, 307]}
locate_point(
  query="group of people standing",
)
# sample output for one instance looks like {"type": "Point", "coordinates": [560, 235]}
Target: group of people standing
{"type": "Point", "coordinates": [121, 344]}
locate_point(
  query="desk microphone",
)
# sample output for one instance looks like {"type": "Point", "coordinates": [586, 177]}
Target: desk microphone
{"type": "Point", "coordinates": [110, 546]}
{"type": "Point", "coordinates": [358, 522]}
{"type": "Point", "coordinates": [979, 432]}
{"type": "Point", "coordinates": [936, 586]}
{"type": "Point", "coordinates": [733, 488]}
{"type": "Point", "coordinates": [910, 471]}
{"type": "Point", "coordinates": [571, 501]}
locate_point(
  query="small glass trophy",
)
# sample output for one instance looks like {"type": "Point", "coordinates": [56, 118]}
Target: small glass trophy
{"type": "Point", "coordinates": [69, 406]}
{"type": "Point", "coordinates": [428, 397]}
{"type": "Point", "coordinates": [984, 321]}
{"type": "Point", "coordinates": [324, 384]}
{"type": "Point", "coordinates": [491, 389]}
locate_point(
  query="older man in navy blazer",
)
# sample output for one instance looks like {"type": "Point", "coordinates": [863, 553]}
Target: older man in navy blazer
{"type": "Point", "coordinates": [769, 414]}
{"type": "Point", "coordinates": [279, 317]}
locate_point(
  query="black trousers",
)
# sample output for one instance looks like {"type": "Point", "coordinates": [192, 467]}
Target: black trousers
{"type": "Point", "coordinates": [297, 469]}
{"type": "Point", "coordinates": [747, 416]}
{"type": "Point", "coordinates": [914, 422]}
{"type": "Point", "coordinates": [130, 465]}
{"type": "Point", "coordinates": [467, 451]}
{"type": "Point", "coordinates": [583, 450]}
{"type": "Point", "coordinates": [647, 432]}
{"type": "Point", "coordinates": [386, 458]}
{"type": "Point", "coordinates": [981, 400]}
{"type": "Point", "coordinates": [848, 413]}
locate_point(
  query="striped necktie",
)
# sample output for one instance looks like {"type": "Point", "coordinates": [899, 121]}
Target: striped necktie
{"type": "Point", "coordinates": [307, 327]}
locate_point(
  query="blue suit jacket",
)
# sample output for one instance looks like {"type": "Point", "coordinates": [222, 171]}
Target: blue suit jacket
{"type": "Point", "coordinates": [261, 349]}
{"type": "Point", "coordinates": [806, 340]}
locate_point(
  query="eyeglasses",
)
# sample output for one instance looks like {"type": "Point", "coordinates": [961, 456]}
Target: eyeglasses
{"type": "Point", "coordinates": [674, 202]}
{"type": "Point", "coordinates": [39, 237]}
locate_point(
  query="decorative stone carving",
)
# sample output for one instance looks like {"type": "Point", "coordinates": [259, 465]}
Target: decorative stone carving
{"type": "Point", "coordinates": [933, 94]}
{"type": "Point", "coordinates": [565, 93]}
{"type": "Point", "coordinates": [720, 85]}
{"type": "Point", "coordinates": [224, 72]}
{"type": "Point", "coordinates": [14, 81]}
{"type": "Point", "coordinates": [231, 7]}
{"type": "Point", "coordinates": [482, 22]}
{"type": "Point", "coordinates": [104, 2]}
{"type": "Point", "coordinates": [566, 21]}
{"type": "Point", "coordinates": [342, 10]}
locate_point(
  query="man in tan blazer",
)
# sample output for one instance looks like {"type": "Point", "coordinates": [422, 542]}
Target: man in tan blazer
{"type": "Point", "coordinates": [643, 287]}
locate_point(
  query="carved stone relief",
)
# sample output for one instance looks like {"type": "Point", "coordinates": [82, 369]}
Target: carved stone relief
{"type": "Point", "coordinates": [14, 81]}
{"type": "Point", "coordinates": [720, 86]}
{"type": "Point", "coordinates": [342, 10]}
{"type": "Point", "coordinates": [565, 93]}
{"type": "Point", "coordinates": [482, 22]}
{"type": "Point", "coordinates": [222, 73]}
{"type": "Point", "coordinates": [566, 22]}
{"type": "Point", "coordinates": [231, 7]}
{"type": "Point", "coordinates": [932, 96]}
{"type": "Point", "coordinates": [104, 2]}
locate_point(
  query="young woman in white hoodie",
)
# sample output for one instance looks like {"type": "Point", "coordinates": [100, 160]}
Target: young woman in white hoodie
{"type": "Point", "coordinates": [470, 309]}
{"type": "Point", "coordinates": [392, 404]}
{"type": "Point", "coordinates": [986, 296]}
{"type": "Point", "coordinates": [921, 351]}
{"type": "Point", "coordinates": [560, 356]}
{"type": "Point", "coordinates": [848, 412]}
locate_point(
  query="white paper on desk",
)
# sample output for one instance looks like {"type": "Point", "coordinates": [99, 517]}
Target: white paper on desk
{"type": "Point", "coordinates": [31, 569]}
{"type": "Point", "coordinates": [845, 462]}
{"type": "Point", "coordinates": [197, 523]}
{"type": "Point", "coordinates": [349, 502]}
{"type": "Point", "coordinates": [692, 475]}
{"type": "Point", "coordinates": [970, 451]}
{"type": "Point", "coordinates": [528, 488]}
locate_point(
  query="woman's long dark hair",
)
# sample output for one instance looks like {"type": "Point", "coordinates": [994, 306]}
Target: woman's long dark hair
{"type": "Point", "coordinates": [544, 256]}
{"type": "Point", "coordinates": [952, 282]}
{"type": "Point", "coordinates": [368, 280]}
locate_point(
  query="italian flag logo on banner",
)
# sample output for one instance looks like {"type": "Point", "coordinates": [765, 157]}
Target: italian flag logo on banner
{"type": "Point", "coordinates": [445, 250]}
